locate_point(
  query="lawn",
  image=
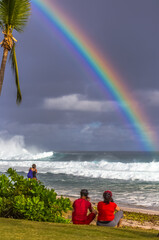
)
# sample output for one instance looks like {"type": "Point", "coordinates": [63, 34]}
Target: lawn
{"type": "Point", "coordinates": [12, 229]}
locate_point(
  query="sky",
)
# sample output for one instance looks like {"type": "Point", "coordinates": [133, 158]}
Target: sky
{"type": "Point", "coordinates": [64, 106]}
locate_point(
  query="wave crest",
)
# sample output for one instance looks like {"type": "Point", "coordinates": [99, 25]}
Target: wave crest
{"type": "Point", "coordinates": [95, 169]}
{"type": "Point", "coordinates": [14, 149]}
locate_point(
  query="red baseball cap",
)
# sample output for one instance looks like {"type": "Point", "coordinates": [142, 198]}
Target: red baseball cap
{"type": "Point", "coordinates": [108, 192]}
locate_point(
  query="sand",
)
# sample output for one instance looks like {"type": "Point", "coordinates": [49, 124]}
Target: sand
{"type": "Point", "coordinates": [132, 223]}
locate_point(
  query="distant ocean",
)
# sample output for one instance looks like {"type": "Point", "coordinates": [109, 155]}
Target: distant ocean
{"type": "Point", "coordinates": [133, 177]}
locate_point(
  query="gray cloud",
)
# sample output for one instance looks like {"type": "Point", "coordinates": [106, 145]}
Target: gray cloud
{"type": "Point", "coordinates": [64, 105]}
{"type": "Point", "coordinates": [63, 137]}
{"type": "Point", "coordinates": [77, 102]}
{"type": "Point", "coordinates": [150, 97]}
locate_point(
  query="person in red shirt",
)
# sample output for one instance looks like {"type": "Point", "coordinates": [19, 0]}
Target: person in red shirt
{"type": "Point", "coordinates": [80, 209]}
{"type": "Point", "coordinates": [106, 216]}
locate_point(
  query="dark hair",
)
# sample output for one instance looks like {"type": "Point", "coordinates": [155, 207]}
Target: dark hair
{"type": "Point", "coordinates": [107, 197]}
{"type": "Point", "coordinates": [84, 193]}
{"type": "Point", "coordinates": [34, 166]}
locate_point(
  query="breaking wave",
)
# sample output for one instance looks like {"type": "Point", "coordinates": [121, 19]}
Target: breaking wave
{"type": "Point", "coordinates": [14, 149]}
{"type": "Point", "coordinates": [95, 169]}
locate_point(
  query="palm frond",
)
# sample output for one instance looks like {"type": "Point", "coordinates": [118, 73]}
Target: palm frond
{"type": "Point", "coordinates": [13, 60]}
{"type": "Point", "coordinates": [3, 11]}
{"type": "Point", "coordinates": [14, 13]}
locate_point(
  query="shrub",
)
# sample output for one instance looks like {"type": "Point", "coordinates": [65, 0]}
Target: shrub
{"type": "Point", "coordinates": [30, 199]}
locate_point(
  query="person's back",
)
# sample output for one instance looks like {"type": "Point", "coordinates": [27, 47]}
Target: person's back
{"type": "Point", "coordinates": [80, 209]}
{"type": "Point", "coordinates": [106, 216]}
{"type": "Point", "coordinates": [106, 211]}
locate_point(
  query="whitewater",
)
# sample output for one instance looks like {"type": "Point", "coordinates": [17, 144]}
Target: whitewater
{"type": "Point", "coordinates": [95, 169]}
{"type": "Point", "coordinates": [132, 176]}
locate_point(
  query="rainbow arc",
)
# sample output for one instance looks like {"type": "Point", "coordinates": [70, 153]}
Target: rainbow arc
{"type": "Point", "coordinates": [102, 69]}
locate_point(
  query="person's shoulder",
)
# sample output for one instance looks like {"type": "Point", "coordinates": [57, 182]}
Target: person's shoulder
{"type": "Point", "coordinates": [113, 204]}
{"type": "Point", "coordinates": [100, 203]}
{"type": "Point", "coordinates": [84, 201]}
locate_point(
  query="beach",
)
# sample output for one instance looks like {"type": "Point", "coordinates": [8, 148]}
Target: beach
{"type": "Point", "coordinates": [148, 214]}
{"type": "Point", "coordinates": [131, 176]}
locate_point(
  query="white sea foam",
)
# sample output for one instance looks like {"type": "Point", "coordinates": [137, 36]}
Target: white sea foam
{"type": "Point", "coordinates": [14, 149]}
{"type": "Point", "coordinates": [94, 169]}
{"type": "Point", "coordinates": [15, 154]}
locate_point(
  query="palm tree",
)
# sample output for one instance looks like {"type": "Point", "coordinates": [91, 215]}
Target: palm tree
{"type": "Point", "coordinates": [13, 16]}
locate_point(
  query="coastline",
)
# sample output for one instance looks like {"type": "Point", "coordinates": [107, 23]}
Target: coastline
{"type": "Point", "coordinates": [145, 223]}
{"type": "Point", "coordinates": [125, 208]}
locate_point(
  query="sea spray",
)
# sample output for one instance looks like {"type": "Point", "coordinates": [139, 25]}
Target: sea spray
{"type": "Point", "coordinates": [14, 148]}
{"type": "Point", "coordinates": [101, 169]}
{"type": "Point", "coordinates": [133, 177]}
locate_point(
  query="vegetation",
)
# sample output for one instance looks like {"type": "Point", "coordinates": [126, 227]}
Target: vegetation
{"type": "Point", "coordinates": [29, 199]}
{"type": "Point", "coordinates": [141, 217]}
{"type": "Point", "coordinates": [21, 198]}
{"type": "Point", "coordinates": [13, 16]}
{"type": "Point", "coordinates": [12, 229]}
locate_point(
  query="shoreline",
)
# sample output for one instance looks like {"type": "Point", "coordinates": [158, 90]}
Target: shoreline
{"type": "Point", "coordinates": [123, 207]}
{"type": "Point", "coordinates": [132, 222]}
{"type": "Point", "coordinates": [139, 210]}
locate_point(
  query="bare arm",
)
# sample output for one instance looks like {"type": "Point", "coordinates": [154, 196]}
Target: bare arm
{"type": "Point", "coordinates": [117, 208]}
{"type": "Point", "coordinates": [92, 210]}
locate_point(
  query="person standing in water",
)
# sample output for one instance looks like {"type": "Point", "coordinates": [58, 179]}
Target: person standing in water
{"type": "Point", "coordinates": [32, 172]}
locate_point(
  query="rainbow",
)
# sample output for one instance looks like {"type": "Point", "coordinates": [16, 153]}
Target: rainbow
{"type": "Point", "coordinates": [102, 69]}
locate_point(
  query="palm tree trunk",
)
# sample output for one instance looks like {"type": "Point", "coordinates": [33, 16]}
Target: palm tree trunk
{"type": "Point", "coordinates": [3, 65]}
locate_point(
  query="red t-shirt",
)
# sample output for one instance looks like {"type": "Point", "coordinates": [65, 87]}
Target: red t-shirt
{"type": "Point", "coordinates": [106, 211]}
{"type": "Point", "coordinates": [81, 207]}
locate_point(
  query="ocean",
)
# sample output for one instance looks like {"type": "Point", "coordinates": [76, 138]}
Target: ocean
{"type": "Point", "coordinates": [133, 177]}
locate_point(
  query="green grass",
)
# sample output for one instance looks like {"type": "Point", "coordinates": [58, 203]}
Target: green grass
{"type": "Point", "coordinates": [12, 229]}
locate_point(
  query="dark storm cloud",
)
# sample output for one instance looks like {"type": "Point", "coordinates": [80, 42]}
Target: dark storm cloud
{"type": "Point", "coordinates": [74, 137]}
{"type": "Point", "coordinates": [126, 32]}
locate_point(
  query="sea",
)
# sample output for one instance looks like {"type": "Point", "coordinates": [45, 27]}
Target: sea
{"type": "Point", "coordinates": [133, 177]}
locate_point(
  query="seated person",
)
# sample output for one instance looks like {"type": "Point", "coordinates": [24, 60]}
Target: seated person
{"type": "Point", "coordinates": [80, 209]}
{"type": "Point", "coordinates": [106, 216]}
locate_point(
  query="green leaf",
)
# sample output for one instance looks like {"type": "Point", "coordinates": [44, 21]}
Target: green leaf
{"type": "Point", "coordinates": [14, 64]}
{"type": "Point", "coordinates": [30, 199]}
{"type": "Point", "coordinates": [14, 13]}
